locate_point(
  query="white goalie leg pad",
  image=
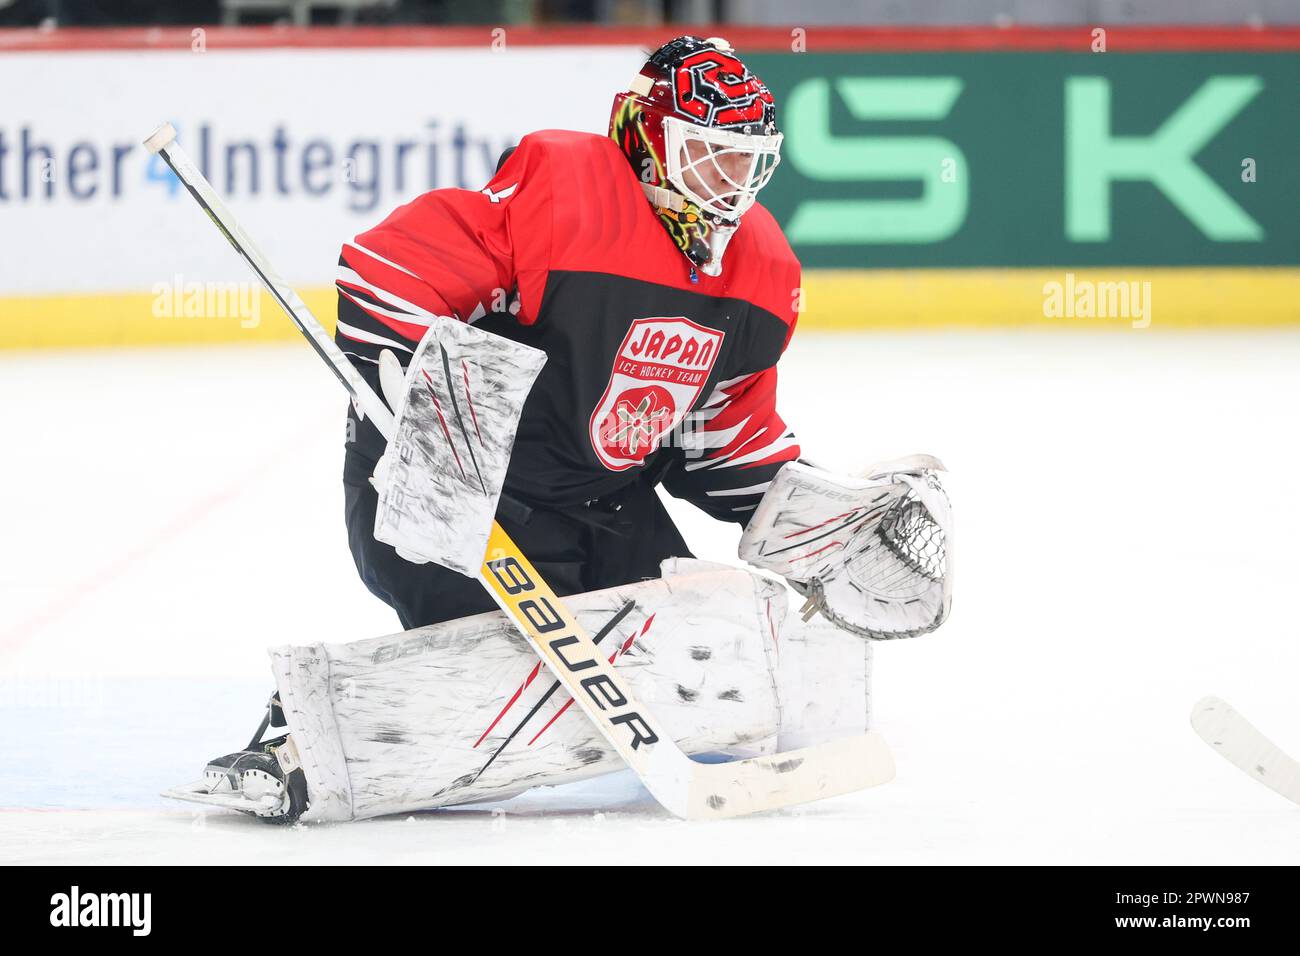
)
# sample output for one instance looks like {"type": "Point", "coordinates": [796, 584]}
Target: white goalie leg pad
{"type": "Point", "coordinates": [440, 479]}
{"type": "Point", "coordinates": [873, 554]}
{"type": "Point", "coordinates": [823, 682]}
{"type": "Point", "coordinates": [464, 712]}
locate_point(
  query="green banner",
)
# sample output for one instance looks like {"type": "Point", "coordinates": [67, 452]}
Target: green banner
{"type": "Point", "coordinates": [1032, 159]}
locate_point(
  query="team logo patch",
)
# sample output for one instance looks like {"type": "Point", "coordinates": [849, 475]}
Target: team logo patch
{"type": "Point", "coordinates": [659, 372]}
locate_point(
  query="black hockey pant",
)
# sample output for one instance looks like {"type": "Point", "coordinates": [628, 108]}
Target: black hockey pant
{"type": "Point", "coordinates": [614, 540]}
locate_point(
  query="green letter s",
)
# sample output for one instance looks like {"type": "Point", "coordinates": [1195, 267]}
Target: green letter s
{"type": "Point", "coordinates": [818, 154]}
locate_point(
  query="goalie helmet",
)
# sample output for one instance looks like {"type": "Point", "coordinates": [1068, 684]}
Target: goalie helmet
{"type": "Point", "coordinates": [700, 132]}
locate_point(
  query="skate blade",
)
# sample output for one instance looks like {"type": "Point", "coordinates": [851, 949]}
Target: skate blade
{"type": "Point", "coordinates": [263, 804]}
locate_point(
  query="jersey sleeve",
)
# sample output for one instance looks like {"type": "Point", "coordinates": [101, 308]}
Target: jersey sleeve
{"type": "Point", "coordinates": [450, 252]}
{"type": "Point", "coordinates": [733, 448]}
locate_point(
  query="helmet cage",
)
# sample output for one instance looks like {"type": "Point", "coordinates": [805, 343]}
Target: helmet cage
{"type": "Point", "coordinates": [724, 189]}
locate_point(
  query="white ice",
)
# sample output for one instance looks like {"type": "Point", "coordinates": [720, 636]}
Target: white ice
{"type": "Point", "coordinates": [1127, 514]}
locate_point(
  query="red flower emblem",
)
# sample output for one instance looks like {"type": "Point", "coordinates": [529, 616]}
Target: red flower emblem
{"type": "Point", "coordinates": [640, 417]}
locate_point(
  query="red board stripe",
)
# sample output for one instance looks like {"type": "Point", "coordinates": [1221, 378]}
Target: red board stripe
{"type": "Point", "coordinates": [829, 39]}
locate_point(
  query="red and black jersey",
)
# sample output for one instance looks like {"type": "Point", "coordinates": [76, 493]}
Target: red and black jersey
{"type": "Point", "coordinates": [649, 363]}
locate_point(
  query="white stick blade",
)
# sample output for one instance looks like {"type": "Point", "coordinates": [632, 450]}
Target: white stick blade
{"type": "Point", "coordinates": [785, 779]}
{"type": "Point", "coordinates": [1242, 745]}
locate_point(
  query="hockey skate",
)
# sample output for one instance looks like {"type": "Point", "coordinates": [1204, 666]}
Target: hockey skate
{"type": "Point", "coordinates": [265, 779]}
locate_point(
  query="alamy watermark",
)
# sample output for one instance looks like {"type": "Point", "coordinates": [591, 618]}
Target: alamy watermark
{"type": "Point", "coordinates": [76, 908]}
{"type": "Point", "coordinates": [1087, 299]}
{"type": "Point", "coordinates": [179, 299]}
{"type": "Point", "coordinates": [51, 693]}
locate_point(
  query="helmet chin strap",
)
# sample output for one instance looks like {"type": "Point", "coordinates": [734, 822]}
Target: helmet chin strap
{"type": "Point", "coordinates": [720, 232]}
{"type": "Point", "coordinates": [663, 198]}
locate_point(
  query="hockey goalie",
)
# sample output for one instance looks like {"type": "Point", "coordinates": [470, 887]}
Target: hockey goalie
{"type": "Point", "coordinates": [603, 318]}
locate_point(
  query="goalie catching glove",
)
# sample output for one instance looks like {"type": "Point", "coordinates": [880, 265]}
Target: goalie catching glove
{"type": "Point", "coordinates": [872, 553]}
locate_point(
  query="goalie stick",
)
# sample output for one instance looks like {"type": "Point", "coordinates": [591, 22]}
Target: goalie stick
{"type": "Point", "coordinates": [683, 786]}
{"type": "Point", "coordinates": [1237, 741]}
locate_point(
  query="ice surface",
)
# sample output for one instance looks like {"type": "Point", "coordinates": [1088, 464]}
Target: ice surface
{"type": "Point", "coordinates": [1127, 518]}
